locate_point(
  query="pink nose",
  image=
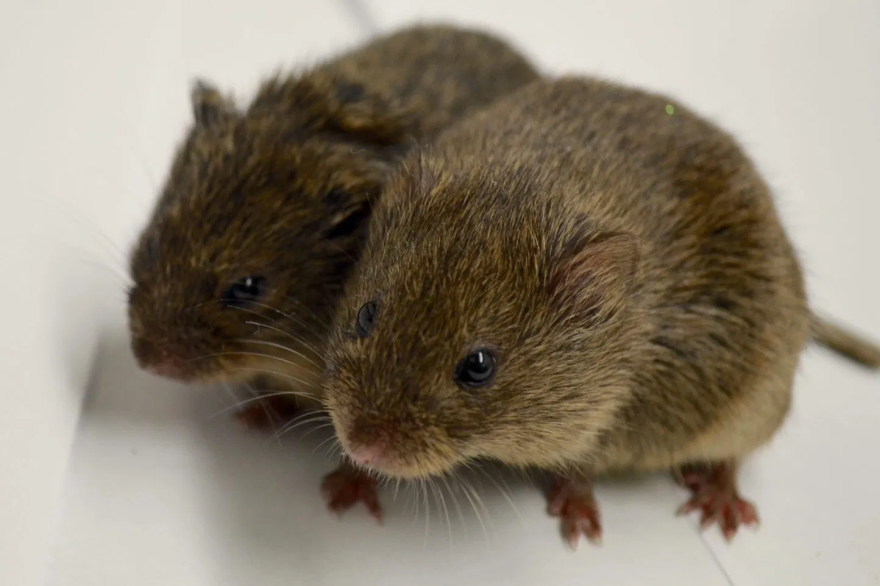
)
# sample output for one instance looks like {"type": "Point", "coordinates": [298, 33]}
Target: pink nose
{"type": "Point", "coordinates": [168, 368]}
{"type": "Point", "coordinates": [371, 455]}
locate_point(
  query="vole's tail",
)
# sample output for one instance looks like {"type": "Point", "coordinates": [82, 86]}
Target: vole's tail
{"type": "Point", "coordinates": [845, 343]}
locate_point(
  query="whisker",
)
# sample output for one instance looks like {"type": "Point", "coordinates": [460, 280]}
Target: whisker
{"type": "Point", "coordinates": [331, 452]}
{"type": "Point", "coordinates": [298, 339]}
{"type": "Point", "coordinates": [237, 353]}
{"type": "Point", "coordinates": [456, 503]}
{"type": "Point", "coordinates": [121, 278]}
{"type": "Point", "coordinates": [288, 316]}
{"type": "Point", "coordinates": [439, 492]}
{"type": "Point", "coordinates": [282, 347]}
{"type": "Point", "coordinates": [257, 313]}
{"type": "Point", "coordinates": [321, 444]}
{"type": "Point", "coordinates": [424, 484]}
{"type": "Point", "coordinates": [90, 224]}
{"type": "Point", "coordinates": [483, 506]}
{"type": "Point", "coordinates": [228, 389]}
{"type": "Point", "coordinates": [270, 416]}
{"type": "Point", "coordinates": [309, 413]}
{"type": "Point", "coordinates": [142, 156]}
{"type": "Point", "coordinates": [304, 307]}
{"type": "Point", "coordinates": [257, 397]}
{"type": "Point", "coordinates": [506, 496]}
{"type": "Point", "coordinates": [197, 305]}
{"type": "Point", "coordinates": [279, 375]}
{"type": "Point", "coordinates": [90, 258]}
{"type": "Point", "coordinates": [293, 425]}
{"type": "Point", "coordinates": [461, 483]}
{"type": "Point", "coordinates": [414, 488]}
{"type": "Point", "coordinates": [316, 428]}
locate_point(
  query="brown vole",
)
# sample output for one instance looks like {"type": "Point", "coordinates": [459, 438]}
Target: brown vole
{"type": "Point", "coordinates": [262, 215]}
{"type": "Point", "coordinates": [575, 280]}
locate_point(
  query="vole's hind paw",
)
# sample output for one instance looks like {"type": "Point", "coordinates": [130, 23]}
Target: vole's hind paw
{"type": "Point", "coordinates": [715, 495]}
{"type": "Point", "coordinates": [345, 487]}
{"type": "Point", "coordinates": [573, 502]}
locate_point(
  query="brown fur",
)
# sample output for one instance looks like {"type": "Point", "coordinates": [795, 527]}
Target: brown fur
{"type": "Point", "coordinates": [627, 265]}
{"type": "Point", "coordinates": [283, 189]}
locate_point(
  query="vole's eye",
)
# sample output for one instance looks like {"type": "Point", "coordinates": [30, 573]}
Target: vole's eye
{"type": "Point", "coordinates": [366, 319]}
{"type": "Point", "coordinates": [244, 291]}
{"type": "Point", "coordinates": [477, 369]}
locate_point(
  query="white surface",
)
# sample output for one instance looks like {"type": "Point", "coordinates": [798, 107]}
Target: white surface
{"type": "Point", "coordinates": [159, 492]}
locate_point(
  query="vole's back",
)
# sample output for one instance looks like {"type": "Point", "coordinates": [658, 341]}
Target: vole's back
{"type": "Point", "coordinates": [441, 72]}
{"type": "Point", "coordinates": [722, 301]}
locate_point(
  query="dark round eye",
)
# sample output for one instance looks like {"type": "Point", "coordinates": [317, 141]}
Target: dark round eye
{"type": "Point", "coordinates": [246, 290]}
{"type": "Point", "coordinates": [477, 369]}
{"type": "Point", "coordinates": [366, 318]}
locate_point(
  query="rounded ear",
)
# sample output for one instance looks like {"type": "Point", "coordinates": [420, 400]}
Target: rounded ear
{"type": "Point", "coordinates": [370, 116]}
{"type": "Point", "coordinates": [597, 274]}
{"type": "Point", "coordinates": [331, 102]}
{"type": "Point", "coordinates": [347, 106]}
{"type": "Point", "coordinates": [208, 105]}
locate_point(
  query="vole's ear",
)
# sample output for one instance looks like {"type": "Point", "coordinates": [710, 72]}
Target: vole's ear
{"type": "Point", "coordinates": [597, 274]}
{"type": "Point", "coordinates": [370, 116]}
{"type": "Point", "coordinates": [331, 102]}
{"type": "Point", "coordinates": [364, 113]}
{"type": "Point", "coordinates": [209, 106]}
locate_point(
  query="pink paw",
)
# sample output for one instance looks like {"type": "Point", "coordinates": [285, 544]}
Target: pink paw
{"type": "Point", "coordinates": [715, 495]}
{"type": "Point", "coordinates": [574, 504]}
{"type": "Point", "coordinates": [345, 487]}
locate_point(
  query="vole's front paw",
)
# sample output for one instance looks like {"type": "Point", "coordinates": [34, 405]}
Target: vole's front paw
{"type": "Point", "coordinates": [714, 493]}
{"type": "Point", "coordinates": [346, 486]}
{"type": "Point", "coordinates": [572, 501]}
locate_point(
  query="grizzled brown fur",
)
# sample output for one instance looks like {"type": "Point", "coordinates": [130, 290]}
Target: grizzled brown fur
{"type": "Point", "coordinates": [282, 191]}
{"type": "Point", "coordinates": [627, 267]}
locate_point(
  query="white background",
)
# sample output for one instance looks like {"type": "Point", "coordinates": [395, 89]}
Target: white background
{"type": "Point", "coordinates": [142, 486]}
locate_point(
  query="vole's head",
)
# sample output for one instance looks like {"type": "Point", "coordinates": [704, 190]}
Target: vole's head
{"type": "Point", "coordinates": [485, 320]}
{"type": "Point", "coordinates": [260, 219]}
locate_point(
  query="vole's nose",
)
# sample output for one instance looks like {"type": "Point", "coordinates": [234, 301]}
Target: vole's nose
{"type": "Point", "coordinates": [168, 366]}
{"type": "Point", "coordinates": [158, 359]}
{"type": "Point", "coordinates": [369, 455]}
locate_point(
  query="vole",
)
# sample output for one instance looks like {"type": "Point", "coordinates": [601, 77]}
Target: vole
{"type": "Point", "coordinates": [576, 280]}
{"type": "Point", "coordinates": [263, 213]}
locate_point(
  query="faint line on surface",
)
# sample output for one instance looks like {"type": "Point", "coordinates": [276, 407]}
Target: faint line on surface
{"type": "Point", "coordinates": [716, 559]}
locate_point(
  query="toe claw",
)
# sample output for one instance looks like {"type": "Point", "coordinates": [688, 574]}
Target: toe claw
{"type": "Point", "coordinates": [715, 495]}
{"type": "Point", "coordinates": [573, 502]}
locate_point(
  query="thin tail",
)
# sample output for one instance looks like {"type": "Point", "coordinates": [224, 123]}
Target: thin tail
{"type": "Point", "coordinates": [844, 342]}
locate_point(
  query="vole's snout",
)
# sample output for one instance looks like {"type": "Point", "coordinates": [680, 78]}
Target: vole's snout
{"type": "Point", "coordinates": [371, 455]}
{"type": "Point", "coordinates": [396, 446]}
{"type": "Point", "coordinates": [158, 361]}
{"type": "Point", "coordinates": [167, 366]}
{"type": "Point", "coordinates": [368, 446]}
